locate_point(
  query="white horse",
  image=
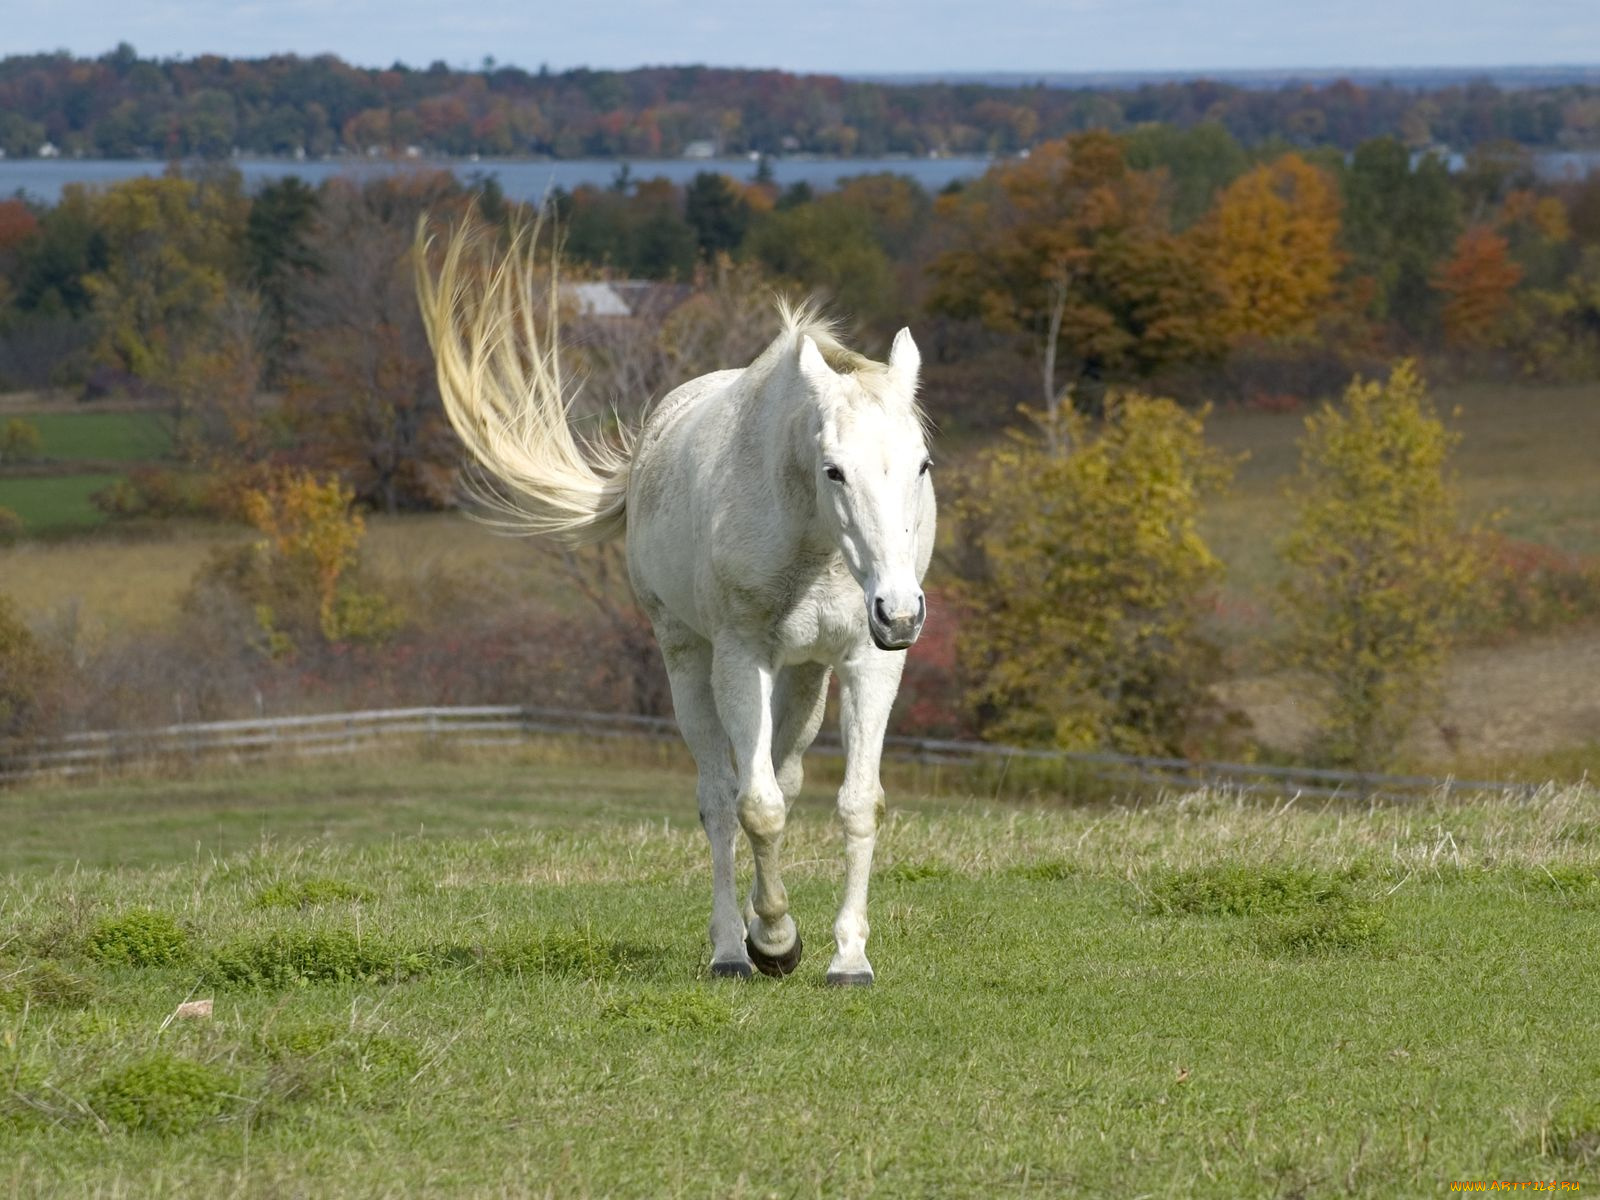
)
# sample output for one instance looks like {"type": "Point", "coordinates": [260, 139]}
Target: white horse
{"type": "Point", "coordinates": [779, 521]}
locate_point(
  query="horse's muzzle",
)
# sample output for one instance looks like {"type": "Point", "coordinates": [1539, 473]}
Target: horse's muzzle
{"type": "Point", "coordinates": [895, 630]}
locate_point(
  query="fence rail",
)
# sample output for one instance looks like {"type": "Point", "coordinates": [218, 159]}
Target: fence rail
{"type": "Point", "coordinates": [348, 732]}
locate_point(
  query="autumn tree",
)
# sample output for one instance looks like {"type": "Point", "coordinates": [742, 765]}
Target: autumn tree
{"type": "Point", "coordinates": [1381, 571]}
{"type": "Point", "coordinates": [1271, 242]}
{"type": "Point", "coordinates": [362, 396]}
{"type": "Point", "coordinates": [301, 580]}
{"type": "Point", "coordinates": [1477, 283]}
{"type": "Point", "coordinates": [1071, 248]}
{"type": "Point", "coordinates": [1081, 582]}
{"type": "Point", "coordinates": [171, 244]}
{"type": "Point", "coordinates": [26, 670]}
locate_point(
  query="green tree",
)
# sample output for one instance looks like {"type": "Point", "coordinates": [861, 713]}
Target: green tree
{"type": "Point", "coordinates": [827, 247]}
{"type": "Point", "coordinates": [1400, 222]}
{"type": "Point", "coordinates": [1082, 584]}
{"type": "Point", "coordinates": [717, 212]}
{"type": "Point", "coordinates": [278, 253]}
{"type": "Point", "coordinates": [1199, 161]}
{"type": "Point", "coordinates": [1381, 571]}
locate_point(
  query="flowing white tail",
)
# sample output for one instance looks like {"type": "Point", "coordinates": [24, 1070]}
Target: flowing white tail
{"type": "Point", "coordinates": [500, 378]}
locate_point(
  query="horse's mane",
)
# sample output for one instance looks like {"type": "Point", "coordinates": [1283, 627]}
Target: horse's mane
{"type": "Point", "coordinates": [806, 319]}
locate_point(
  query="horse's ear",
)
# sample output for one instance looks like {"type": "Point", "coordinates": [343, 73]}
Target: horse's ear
{"type": "Point", "coordinates": [812, 366]}
{"type": "Point", "coordinates": [904, 360]}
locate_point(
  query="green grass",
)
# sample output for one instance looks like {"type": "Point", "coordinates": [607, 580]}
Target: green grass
{"type": "Point", "coordinates": [54, 503]}
{"type": "Point", "coordinates": [130, 436]}
{"type": "Point", "coordinates": [488, 979]}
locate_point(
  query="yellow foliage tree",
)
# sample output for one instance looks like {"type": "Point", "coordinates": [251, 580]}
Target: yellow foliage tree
{"type": "Point", "coordinates": [1271, 241]}
{"type": "Point", "coordinates": [26, 670]}
{"type": "Point", "coordinates": [1081, 580]}
{"type": "Point", "coordinates": [1381, 569]}
{"type": "Point", "coordinates": [301, 578]}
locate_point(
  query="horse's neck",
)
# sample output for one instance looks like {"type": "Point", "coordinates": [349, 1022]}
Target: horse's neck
{"type": "Point", "coordinates": [775, 442]}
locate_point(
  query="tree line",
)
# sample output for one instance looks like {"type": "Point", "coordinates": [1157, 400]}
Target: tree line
{"type": "Point", "coordinates": [1059, 294]}
{"type": "Point", "coordinates": [121, 105]}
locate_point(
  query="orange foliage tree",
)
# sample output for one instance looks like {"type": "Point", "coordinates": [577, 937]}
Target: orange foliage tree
{"type": "Point", "coordinates": [1477, 281]}
{"type": "Point", "coordinates": [1071, 246]}
{"type": "Point", "coordinates": [1271, 241]}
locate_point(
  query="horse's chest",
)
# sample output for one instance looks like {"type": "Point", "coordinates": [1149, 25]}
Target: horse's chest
{"type": "Point", "coordinates": [824, 620]}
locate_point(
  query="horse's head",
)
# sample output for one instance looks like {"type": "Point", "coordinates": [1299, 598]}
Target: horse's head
{"type": "Point", "coordinates": [872, 484]}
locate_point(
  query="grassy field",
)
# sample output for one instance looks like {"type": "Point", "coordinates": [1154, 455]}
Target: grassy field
{"type": "Point", "coordinates": [488, 979]}
{"type": "Point", "coordinates": [51, 504]}
{"type": "Point", "coordinates": [132, 436]}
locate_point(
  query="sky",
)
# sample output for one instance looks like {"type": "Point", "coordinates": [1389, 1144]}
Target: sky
{"type": "Point", "coordinates": [844, 36]}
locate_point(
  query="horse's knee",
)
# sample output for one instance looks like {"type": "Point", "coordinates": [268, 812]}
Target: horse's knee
{"type": "Point", "coordinates": [861, 812]}
{"type": "Point", "coordinates": [762, 813]}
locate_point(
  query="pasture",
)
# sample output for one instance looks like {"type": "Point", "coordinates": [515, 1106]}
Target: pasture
{"type": "Point", "coordinates": [487, 978]}
{"type": "Point", "coordinates": [80, 452]}
{"type": "Point", "coordinates": [55, 504]}
{"type": "Point", "coordinates": [125, 436]}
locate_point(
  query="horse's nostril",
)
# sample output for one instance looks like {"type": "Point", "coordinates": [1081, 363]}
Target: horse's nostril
{"type": "Point", "coordinates": [881, 612]}
{"type": "Point", "coordinates": [922, 607]}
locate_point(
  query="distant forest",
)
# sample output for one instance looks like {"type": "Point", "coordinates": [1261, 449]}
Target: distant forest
{"type": "Point", "coordinates": [122, 106]}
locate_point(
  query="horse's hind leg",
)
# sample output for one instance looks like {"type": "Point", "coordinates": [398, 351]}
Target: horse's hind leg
{"type": "Point", "coordinates": [688, 660]}
{"type": "Point", "coordinates": [743, 683]}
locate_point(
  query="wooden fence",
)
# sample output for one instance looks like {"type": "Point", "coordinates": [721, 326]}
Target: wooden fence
{"type": "Point", "coordinates": [110, 751]}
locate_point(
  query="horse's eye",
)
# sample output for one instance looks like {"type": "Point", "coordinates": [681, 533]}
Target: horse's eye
{"type": "Point", "coordinates": [834, 473]}
{"type": "Point", "coordinates": [927, 465]}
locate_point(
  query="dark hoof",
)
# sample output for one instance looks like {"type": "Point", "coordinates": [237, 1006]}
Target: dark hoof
{"type": "Point", "coordinates": [733, 969]}
{"type": "Point", "coordinates": [851, 979]}
{"type": "Point", "coordinates": [777, 967]}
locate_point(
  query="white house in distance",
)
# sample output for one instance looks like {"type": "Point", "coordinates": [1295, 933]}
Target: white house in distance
{"type": "Point", "coordinates": [619, 298]}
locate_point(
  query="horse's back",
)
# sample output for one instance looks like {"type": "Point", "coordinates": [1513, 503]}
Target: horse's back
{"type": "Point", "coordinates": [674, 457]}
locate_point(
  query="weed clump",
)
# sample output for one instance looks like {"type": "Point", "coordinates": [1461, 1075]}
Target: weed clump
{"type": "Point", "coordinates": [43, 984]}
{"type": "Point", "coordinates": [1573, 1133]}
{"type": "Point", "coordinates": [163, 1094]}
{"type": "Point", "coordinates": [1345, 924]}
{"type": "Point", "coordinates": [918, 872]}
{"type": "Point", "coordinates": [664, 1012]}
{"type": "Point", "coordinates": [308, 893]}
{"type": "Point", "coordinates": [334, 1062]}
{"type": "Point", "coordinates": [140, 937]}
{"type": "Point", "coordinates": [1294, 911]}
{"type": "Point", "coordinates": [305, 956]}
{"type": "Point", "coordinates": [1576, 886]}
{"type": "Point", "coordinates": [1044, 872]}
{"type": "Point", "coordinates": [574, 953]}
{"type": "Point", "coordinates": [1238, 890]}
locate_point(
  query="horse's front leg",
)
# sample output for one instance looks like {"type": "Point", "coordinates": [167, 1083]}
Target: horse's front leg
{"type": "Point", "coordinates": [743, 682]}
{"type": "Point", "coordinates": [867, 685]}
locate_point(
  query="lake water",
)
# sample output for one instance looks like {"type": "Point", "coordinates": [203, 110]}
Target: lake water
{"type": "Point", "coordinates": [43, 179]}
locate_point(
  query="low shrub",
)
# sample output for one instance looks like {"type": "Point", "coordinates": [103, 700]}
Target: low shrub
{"type": "Point", "coordinates": [164, 1094]}
{"type": "Point", "coordinates": [308, 893]}
{"type": "Point", "coordinates": [140, 937]}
